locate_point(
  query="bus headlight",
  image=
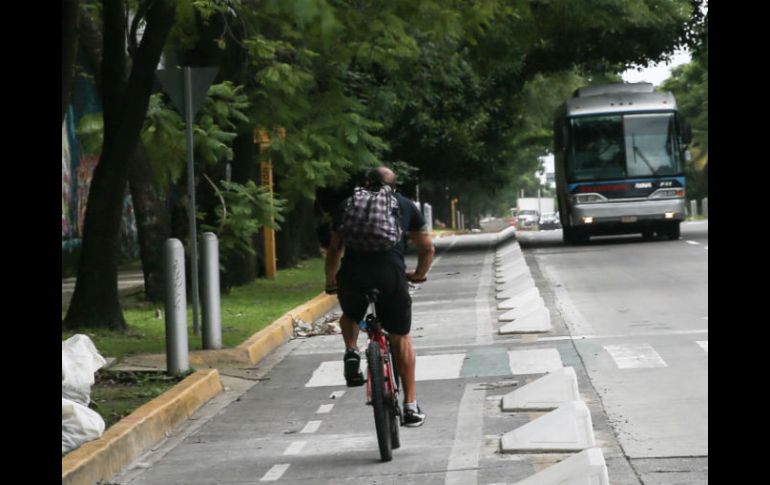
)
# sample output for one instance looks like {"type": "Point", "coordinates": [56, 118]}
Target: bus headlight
{"type": "Point", "coordinates": [589, 198]}
{"type": "Point", "coordinates": [667, 193]}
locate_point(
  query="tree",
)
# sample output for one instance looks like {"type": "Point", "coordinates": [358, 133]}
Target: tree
{"type": "Point", "coordinates": [125, 98]}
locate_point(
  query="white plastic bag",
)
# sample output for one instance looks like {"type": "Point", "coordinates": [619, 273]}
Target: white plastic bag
{"type": "Point", "coordinates": [79, 424]}
{"type": "Point", "coordinates": [79, 361]}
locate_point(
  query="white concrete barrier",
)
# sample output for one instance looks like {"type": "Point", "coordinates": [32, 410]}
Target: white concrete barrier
{"type": "Point", "coordinates": [547, 393]}
{"type": "Point", "coordinates": [585, 468]}
{"type": "Point", "coordinates": [568, 428]}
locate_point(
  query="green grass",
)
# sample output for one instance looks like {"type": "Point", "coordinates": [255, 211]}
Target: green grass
{"type": "Point", "coordinates": [245, 311]}
{"type": "Point", "coordinates": [115, 395]}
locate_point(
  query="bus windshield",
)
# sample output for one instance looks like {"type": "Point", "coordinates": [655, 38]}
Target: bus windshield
{"type": "Point", "coordinates": [623, 146]}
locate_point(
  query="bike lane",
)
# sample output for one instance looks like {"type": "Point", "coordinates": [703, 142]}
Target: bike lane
{"type": "Point", "coordinates": [298, 423]}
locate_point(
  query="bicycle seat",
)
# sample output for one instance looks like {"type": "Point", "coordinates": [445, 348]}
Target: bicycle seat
{"type": "Point", "coordinates": [371, 295]}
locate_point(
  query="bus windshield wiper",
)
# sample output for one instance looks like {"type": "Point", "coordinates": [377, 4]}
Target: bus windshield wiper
{"type": "Point", "coordinates": [644, 159]}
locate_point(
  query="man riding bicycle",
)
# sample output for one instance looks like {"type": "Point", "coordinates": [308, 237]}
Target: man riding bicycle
{"type": "Point", "coordinates": [386, 271]}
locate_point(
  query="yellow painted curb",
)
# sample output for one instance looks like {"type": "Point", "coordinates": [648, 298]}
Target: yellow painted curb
{"type": "Point", "coordinates": [269, 338]}
{"type": "Point", "coordinates": [131, 436]}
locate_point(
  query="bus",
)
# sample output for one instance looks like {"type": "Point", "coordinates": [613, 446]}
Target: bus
{"type": "Point", "coordinates": [619, 152]}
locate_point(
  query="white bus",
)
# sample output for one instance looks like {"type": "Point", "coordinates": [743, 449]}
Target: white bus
{"type": "Point", "coordinates": [619, 158]}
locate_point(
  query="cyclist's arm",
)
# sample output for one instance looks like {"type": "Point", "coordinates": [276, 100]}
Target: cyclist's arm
{"type": "Point", "coordinates": [333, 256]}
{"type": "Point", "coordinates": [425, 250]}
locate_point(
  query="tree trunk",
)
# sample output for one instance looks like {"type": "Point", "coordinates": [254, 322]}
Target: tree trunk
{"type": "Point", "coordinates": [152, 223]}
{"type": "Point", "coordinates": [68, 51]}
{"type": "Point", "coordinates": [95, 301]}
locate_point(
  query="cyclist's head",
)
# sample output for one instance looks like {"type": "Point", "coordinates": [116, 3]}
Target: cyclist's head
{"type": "Point", "coordinates": [379, 176]}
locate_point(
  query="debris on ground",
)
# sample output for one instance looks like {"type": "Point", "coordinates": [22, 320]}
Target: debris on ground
{"type": "Point", "coordinates": [327, 325]}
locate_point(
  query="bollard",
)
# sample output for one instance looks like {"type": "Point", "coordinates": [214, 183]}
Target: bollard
{"type": "Point", "coordinates": [210, 306]}
{"type": "Point", "coordinates": [177, 359]}
{"type": "Point", "coordinates": [427, 212]}
{"type": "Point", "coordinates": [705, 207]}
{"type": "Point", "coordinates": [693, 208]}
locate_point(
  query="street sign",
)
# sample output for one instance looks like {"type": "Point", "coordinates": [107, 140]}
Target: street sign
{"type": "Point", "coordinates": [187, 89]}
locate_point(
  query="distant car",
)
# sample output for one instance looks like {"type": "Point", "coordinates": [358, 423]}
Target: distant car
{"type": "Point", "coordinates": [550, 220]}
{"type": "Point", "coordinates": [527, 219]}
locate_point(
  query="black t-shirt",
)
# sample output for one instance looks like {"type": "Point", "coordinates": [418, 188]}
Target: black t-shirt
{"type": "Point", "coordinates": [411, 220]}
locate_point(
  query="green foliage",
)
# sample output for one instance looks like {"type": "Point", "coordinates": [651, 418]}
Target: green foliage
{"type": "Point", "coordinates": [246, 208]}
{"type": "Point", "coordinates": [218, 120]}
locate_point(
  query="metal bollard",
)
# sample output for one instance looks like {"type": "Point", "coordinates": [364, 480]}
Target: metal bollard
{"type": "Point", "coordinates": [427, 212]}
{"type": "Point", "coordinates": [177, 359]}
{"type": "Point", "coordinates": [705, 207]}
{"type": "Point", "coordinates": [210, 306]}
{"type": "Point", "coordinates": [693, 208]}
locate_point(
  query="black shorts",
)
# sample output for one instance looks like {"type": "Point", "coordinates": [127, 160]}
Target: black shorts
{"type": "Point", "coordinates": [394, 305]}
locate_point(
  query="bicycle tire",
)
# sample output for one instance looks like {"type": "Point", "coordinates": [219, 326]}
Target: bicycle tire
{"type": "Point", "coordinates": [380, 402]}
{"type": "Point", "coordinates": [395, 423]}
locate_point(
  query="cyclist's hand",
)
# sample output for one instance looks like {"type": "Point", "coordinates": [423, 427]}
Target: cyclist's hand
{"type": "Point", "coordinates": [415, 278]}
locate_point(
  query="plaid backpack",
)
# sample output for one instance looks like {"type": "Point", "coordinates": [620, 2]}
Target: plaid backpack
{"type": "Point", "coordinates": [371, 221]}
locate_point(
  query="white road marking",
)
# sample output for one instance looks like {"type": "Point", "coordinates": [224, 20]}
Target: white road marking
{"type": "Point", "coordinates": [429, 368]}
{"type": "Point", "coordinates": [275, 473]}
{"type": "Point", "coordinates": [704, 345]}
{"type": "Point", "coordinates": [295, 448]}
{"type": "Point", "coordinates": [535, 361]}
{"type": "Point", "coordinates": [311, 427]}
{"type": "Point", "coordinates": [324, 408]}
{"type": "Point", "coordinates": [462, 468]}
{"type": "Point", "coordinates": [693, 242]}
{"type": "Point", "coordinates": [635, 356]}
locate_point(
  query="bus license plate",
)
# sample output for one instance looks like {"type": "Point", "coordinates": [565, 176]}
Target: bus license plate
{"type": "Point", "coordinates": [628, 219]}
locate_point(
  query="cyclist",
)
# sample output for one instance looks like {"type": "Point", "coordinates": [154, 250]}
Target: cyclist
{"type": "Point", "coordinates": [386, 271]}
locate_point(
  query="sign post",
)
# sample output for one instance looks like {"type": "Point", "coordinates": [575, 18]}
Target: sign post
{"type": "Point", "coordinates": [187, 89]}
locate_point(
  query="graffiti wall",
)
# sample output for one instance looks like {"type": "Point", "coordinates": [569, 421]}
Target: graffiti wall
{"type": "Point", "coordinates": [77, 171]}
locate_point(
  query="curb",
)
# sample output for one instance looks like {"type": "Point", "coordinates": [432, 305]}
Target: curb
{"type": "Point", "coordinates": [101, 459]}
{"type": "Point", "coordinates": [131, 436]}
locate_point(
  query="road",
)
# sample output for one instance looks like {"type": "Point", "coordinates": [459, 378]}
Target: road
{"type": "Point", "coordinates": [292, 420]}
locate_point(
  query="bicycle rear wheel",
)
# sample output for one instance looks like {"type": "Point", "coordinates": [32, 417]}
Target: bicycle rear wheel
{"type": "Point", "coordinates": [380, 402]}
{"type": "Point", "coordinates": [395, 422]}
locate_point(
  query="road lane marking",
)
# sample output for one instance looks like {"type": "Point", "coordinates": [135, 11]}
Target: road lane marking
{"type": "Point", "coordinates": [462, 468]}
{"type": "Point", "coordinates": [275, 473]}
{"type": "Point", "coordinates": [324, 408]}
{"type": "Point", "coordinates": [635, 356]}
{"type": "Point", "coordinates": [693, 243]}
{"type": "Point", "coordinates": [535, 361]}
{"type": "Point", "coordinates": [311, 427]}
{"type": "Point", "coordinates": [704, 345]}
{"type": "Point", "coordinates": [429, 368]}
{"type": "Point", "coordinates": [295, 448]}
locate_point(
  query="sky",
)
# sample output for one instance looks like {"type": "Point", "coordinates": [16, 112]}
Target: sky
{"type": "Point", "coordinates": [657, 73]}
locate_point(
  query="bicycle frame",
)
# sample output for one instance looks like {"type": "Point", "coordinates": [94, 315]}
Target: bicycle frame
{"type": "Point", "coordinates": [375, 333]}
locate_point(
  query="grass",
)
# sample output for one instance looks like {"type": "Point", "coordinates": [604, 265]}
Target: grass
{"type": "Point", "coordinates": [116, 394]}
{"type": "Point", "coordinates": [245, 311]}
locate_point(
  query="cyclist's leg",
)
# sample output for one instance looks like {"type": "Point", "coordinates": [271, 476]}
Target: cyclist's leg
{"type": "Point", "coordinates": [406, 361]}
{"type": "Point", "coordinates": [349, 327]}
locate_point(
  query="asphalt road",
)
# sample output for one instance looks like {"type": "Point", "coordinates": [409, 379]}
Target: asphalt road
{"type": "Point", "coordinates": [637, 313]}
{"type": "Point", "coordinates": [291, 419]}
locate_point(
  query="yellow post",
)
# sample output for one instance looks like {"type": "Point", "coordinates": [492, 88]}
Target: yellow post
{"type": "Point", "coordinates": [266, 168]}
{"type": "Point", "coordinates": [454, 212]}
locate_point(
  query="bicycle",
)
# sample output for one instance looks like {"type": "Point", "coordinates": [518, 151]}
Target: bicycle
{"type": "Point", "coordinates": [382, 384]}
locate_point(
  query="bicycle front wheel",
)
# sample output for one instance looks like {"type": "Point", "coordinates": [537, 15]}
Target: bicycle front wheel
{"type": "Point", "coordinates": [380, 401]}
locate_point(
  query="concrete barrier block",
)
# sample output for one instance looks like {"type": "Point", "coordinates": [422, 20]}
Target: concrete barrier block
{"type": "Point", "coordinates": [585, 468]}
{"type": "Point", "coordinates": [522, 310]}
{"type": "Point", "coordinates": [537, 321]}
{"type": "Point", "coordinates": [512, 291]}
{"type": "Point", "coordinates": [519, 300]}
{"type": "Point", "coordinates": [568, 428]}
{"type": "Point", "coordinates": [545, 394]}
